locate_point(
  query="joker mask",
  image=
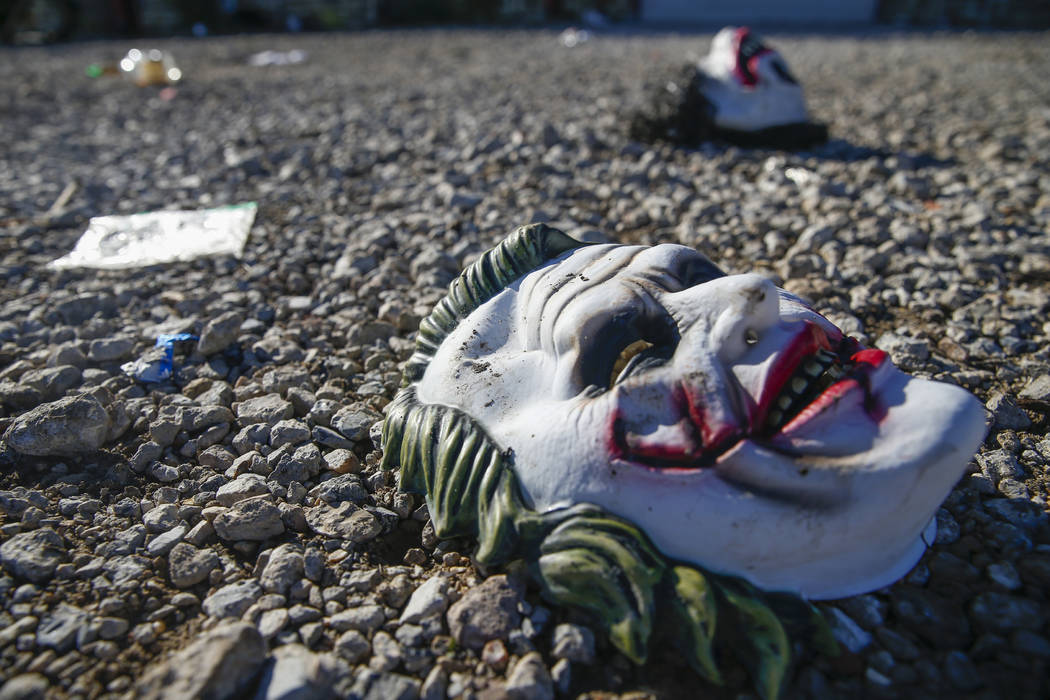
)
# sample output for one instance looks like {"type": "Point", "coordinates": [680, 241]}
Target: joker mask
{"type": "Point", "coordinates": [723, 417]}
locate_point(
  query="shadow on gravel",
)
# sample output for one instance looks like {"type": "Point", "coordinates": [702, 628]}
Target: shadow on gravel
{"type": "Point", "coordinates": [844, 151]}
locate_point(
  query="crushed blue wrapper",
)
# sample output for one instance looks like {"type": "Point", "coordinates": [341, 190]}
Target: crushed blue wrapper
{"type": "Point", "coordinates": [158, 364]}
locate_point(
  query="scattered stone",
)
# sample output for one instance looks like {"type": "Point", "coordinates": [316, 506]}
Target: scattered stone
{"type": "Point", "coordinates": [219, 333]}
{"type": "Point", "coordinates": [363, 618]}
{"type": "Point", "coordinates": [232, 599]}
{"type": "Point", "coordinates": [530, 679]}
{"type": "Point", "coordinates": [342, 461]}
{"type": "Point", "coordinates": [161, 518]}
{"type": "Point", "coordinates": [59, 629]}
{"type": "Point", "coordinates": [1006, 414]}
{"type": "Point", "coordinates": [847, 632]}
{"type": "Point", "coordinates": [163, 542]}
{"type": "Point", "coordinates": [244, 486]}
{"type": "Point", "coordinates": [284, 569]}
{"type": "Point", "coordinates": [253, 519]}
{"type": "Point", "coordinates": [353, 422]}
{"type": "Point", "coordinates": [188, 565]}
{"type": "Point", "coordinates": [222, 663]}
{"type": "Point", "coordinates": [26, 686]}
{"type": "Point", "coordinates": [1037, 391]}
{"type": "Point", "coordinates": [430, 598]}
{"type": "Point", "coordinates": [346, 521]}
{"type": "Point", "coordinates": [66, 427]}
{"type": "Point", "coordinates": [494, 653]}
{"type": "Point", "coordinates": [352, 646]}
{"type": "Point", "coordinates": [488, 611]}
{"type": "Point", "coordinates": [33, 555]}
{"type": "Point", "coordinates": [1000, 612]}
{"type": "Point", "coordinates": [961, 671]}
{"type": "Point", "coordinates": [346, 487]}
{"type": "Point", "coordinates": [269, 409]}
{"type": "Point", "coordinates": [296, 673]}
{"type": "Point", "coordinates": [376, 685]}
{"type": "Point", "coordinates": [573, 642]}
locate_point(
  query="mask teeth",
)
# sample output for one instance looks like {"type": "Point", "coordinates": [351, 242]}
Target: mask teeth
{"type": "Point", "coordinates": [810, 380]}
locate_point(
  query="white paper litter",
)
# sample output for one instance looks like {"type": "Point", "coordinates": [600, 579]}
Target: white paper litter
{"type": "Point", "coordinates": [151, 238]}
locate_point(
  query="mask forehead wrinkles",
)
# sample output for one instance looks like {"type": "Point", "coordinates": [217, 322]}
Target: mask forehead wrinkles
{"type": "Point", "coordinates": [569, 287]}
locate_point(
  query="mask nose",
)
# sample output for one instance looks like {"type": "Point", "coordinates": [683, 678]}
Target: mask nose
{"type": "Point", "coordinates": [727, 315]}
{"type": "Point", "coordinates": [719, 321]}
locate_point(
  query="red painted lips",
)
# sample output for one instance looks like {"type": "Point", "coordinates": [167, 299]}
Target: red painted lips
{"type": "Point", "coordinates": [695, 442]}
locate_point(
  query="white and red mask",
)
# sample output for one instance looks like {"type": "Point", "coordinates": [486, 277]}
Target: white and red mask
{"type": "Point", "coordinates": [749, 83]}
{"type": "Point", "coordinates": [736, 426]}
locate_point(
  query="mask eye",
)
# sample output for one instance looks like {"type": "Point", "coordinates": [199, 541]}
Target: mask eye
{"type": "Point", "coordinates": [626, 355]}
{"type": "Point", "coordinates": [751, 336]}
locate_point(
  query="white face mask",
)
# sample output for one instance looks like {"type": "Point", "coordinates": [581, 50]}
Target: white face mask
{"type": "Point", "coordinates": [733, 424]}
{"type": "Point", "coordinates": [749, 83]}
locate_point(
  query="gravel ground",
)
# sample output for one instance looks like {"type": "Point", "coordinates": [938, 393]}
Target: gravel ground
{"type": "Point", "coordinates": [233, 531]}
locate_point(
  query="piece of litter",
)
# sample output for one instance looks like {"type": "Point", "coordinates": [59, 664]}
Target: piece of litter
{"type": "Point", "coordinates": [572, 37]}
{"type": "Point", "coordinates": [158, 363]}
{"type": "Point", "coordinates": [801, 176]}
{"type": "Point", "coordinates": [117, 242]}
{"type": "Point", "coordinates": [277, 58]}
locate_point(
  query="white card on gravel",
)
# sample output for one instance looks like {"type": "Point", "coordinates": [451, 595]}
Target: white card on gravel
{"type": "Point", "coordinates": [151, 238]}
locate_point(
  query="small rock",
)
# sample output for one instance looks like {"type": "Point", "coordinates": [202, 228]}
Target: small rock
{"type": "Point", "coordinates": [288, 432]}
{"type": "Point", "coordinates": [161, 518]}
{"type": "Point", "coordinates": [1004, 574]}
{"type": "Point", "coordinates": [65, 427]}
{"type": "Point", "coordinates": [430, 598]}
{"type": "Point", "coordinates": [352, 646]}
{"type": "Point", "coordinates": [530, 679]}
{"type": "Point", "coordinates": [110, 349]}
{"type": "Point", "coordinates": [346, 521]}
{"type": "Point", "coordinates": [1037, 390]}
{"type": "Point", "coordinates": [269, 409]}
{"type": "Point", "coordinates": [931, 618]}
{"type": "Point", "coordinates": [999, 612]}
{"type": "Point", "coordinates": [386, 652]}
{"type": "Point", "coordinates": [376, 685]}
{"type": "Point", "coordinates": [300, 465]}
{"type": "Point", "coordinates": [296, 673]}
{"type": "Point", "coordinates": [163, 542]}
{"type": "Point", "coordinates": [220, 664]}
{"type": "Point", "coordinates": [273, 621]}
{"type": "Point", "coordinates": [961, 671]}
{"type": "Point", "coordinates": [244, 486]}
{"type": "Point", "coordinates": [847, 632]}
{"type": "Point", "coordinates": [253, 519]}
{"type": "Point", "coordinates": [59, 629]}
{"type": "Point", "coordinates": [1030, 643]}
{"type": "Point", "coordinates": [284, 569]}
{"type": "Point", "coordinates": [33, 555]}
{"type": "Point", "coordinates": [363, 618]}
{"type": "Point", "coordinates": [27, 686]}
{"type": "Point", "coordinates": [342, 461]}
{"type": "Point", "coordinates": [112, 627]}
{"type": "Point", "coordinates": [561, 674]}
{"type": "Point", "coordinates": [354, 422]}
{"type": "Point", "coordinates": [220, 332]}
{"type": "Point", "coordinates": [574, 642]}
{"type": "Point", "coordinates": [346, 487]}
{"type": "Point", "coordinates": [435, 686]}
{"type": "Point", "coordinates": [1007, 415]}
{"type": "Point", "coordinates": [232, 599]}
{"type": "Point", "coordinates": [494, 654]}
{"type": "Point", "coordinates": [188, 565]}
{"type": "Point", "coordinates": [488, 611]}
